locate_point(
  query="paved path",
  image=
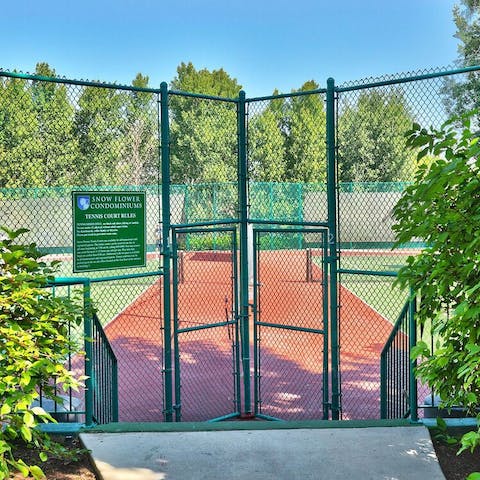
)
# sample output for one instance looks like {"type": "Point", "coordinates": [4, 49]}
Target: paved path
{"type": "Point", "coordinates": [386, 453]}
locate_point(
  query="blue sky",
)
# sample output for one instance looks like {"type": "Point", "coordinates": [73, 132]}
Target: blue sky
{"type": "Point", "coordinates": [265, 44]}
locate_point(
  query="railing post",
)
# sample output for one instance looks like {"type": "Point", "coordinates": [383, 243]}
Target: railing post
{"type": "Point", "coordinates": [243, 219]}
{"type": "Point", "coordinates": [413, 363]}
{"type": "Point", "coordinates": [166, 252]}
{"type": "Point", "coordinates": [88, 334]}
{"type": "Point", "coordinates": [332, 241]}
{"type": "Point", "coordinates": [114, 390]}
{"type": "Point", "coordinates": [383, 386]}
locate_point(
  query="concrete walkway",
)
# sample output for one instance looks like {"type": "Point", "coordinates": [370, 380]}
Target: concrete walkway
{"type": "Point", "coordinates": [386, 453]}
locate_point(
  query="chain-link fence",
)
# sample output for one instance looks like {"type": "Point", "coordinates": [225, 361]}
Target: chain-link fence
{"type": "Point", "coordinates": [60, 136]}
{"type": "Point", "coordinates": [372, 120]}
{"type": "Point", "coordinates": [220, 174]}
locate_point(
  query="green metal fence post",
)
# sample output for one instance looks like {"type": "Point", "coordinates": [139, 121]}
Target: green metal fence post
{"type": "Point", "coordinates": [88, 334]}
{"type": "Point", "coordinates": [166, 253]}
{"type": "Point", "coordinates": [413, 363]}
{"type": "Point", "coordinates": [383, 387]}
{"type": "Point", "coordinates": [332, 241]}
{"type": "Point", "coordinates": [243, 218]}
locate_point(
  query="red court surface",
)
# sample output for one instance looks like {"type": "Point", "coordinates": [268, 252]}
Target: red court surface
{"type": "Point", "coordinates": [290, 374]}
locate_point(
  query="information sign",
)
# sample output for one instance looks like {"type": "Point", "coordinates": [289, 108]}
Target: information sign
{"type": "Point", "coordinates": [108, 230]}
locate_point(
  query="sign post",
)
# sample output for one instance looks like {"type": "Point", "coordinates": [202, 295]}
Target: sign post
{"type": "Point", "coordinates": [108, 230]}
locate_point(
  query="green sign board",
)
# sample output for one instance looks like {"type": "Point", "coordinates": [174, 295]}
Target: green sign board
{"type": "Point", "coordinates": [108, 230]}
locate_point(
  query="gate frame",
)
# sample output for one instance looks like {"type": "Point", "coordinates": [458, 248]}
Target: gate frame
{"type": "Point", "coordinates": [258, 323]}
{"type": "Point", "coordinates": [177, 406]}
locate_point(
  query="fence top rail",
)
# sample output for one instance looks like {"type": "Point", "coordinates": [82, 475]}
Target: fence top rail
{"type": "Point", "coordinates": [406, 79]}
{"type": "Point", "coordinates": [338, 89]}
{"type": "Point", "coordinates": [287, 95]}
{"type": "Point", "coordinates": [396, 328]}
{"type": "Point", "coordinates": [64, 281]}
{"type": "Point", "coordinates": [83, 83]}
{"type": "Point", "coordinates": [202, 96]}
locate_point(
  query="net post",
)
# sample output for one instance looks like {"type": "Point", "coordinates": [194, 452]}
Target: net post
{"type": "Point", "coordinates": [309, 265]}
{"type": "Point", "coordinates": [181, 266]}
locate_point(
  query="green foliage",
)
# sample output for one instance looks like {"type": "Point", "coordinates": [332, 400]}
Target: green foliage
{"type": "Point", "coordinates": [100, 127]}
{"type": "Point", "coordinates": [267, 148]}
{"type": "Point", "coordinates": [55, 116]}
{"type": "Point", "coordinates": [287, 138]}
{"type": "Point", "coordinates": [35, 344]}
{"type": "Point", "coordinates": [470, 441]}
{"type": "Point", "coordinates": [203, 132]}
{"type": "Point", "coordinates": [305, 143]}
{"type": "Point", "coordinates": [20, 164]}
{"type": "Point", "coordinates": [209, 241]}
{"type": "Point", "coordinates": [54, 134]}
{"type": "Point", "coordinates": [371, 138]}
{"type": "Point", "coordinates": [462, 95]}
{"type": "Point", "coordinates": [441, 208]}
{"type": "Point", "coordinates": [440, 432]}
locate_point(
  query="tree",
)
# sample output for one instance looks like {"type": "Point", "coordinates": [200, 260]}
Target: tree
{"type": "Point", "coordinates": [463, 95]}
{"type": "Point", "coordinates": [203, 132]}
{"type": "Point", "coordinates": [139, 157]}
{"type": "Point", "coordinates": [55, 122]}
{"type": "Point", "coordinates": [305, 142]}
{"type": "Point", "coordinates": [20, 161]}
{"type": "Point", "coordinates": [371, 138]}
{"type": "Point", "coordinates": [100, 126]}
{"type": "Point", "coordinates": [266, 142]}
{"type": "Point", "coordinates": [441, 208]}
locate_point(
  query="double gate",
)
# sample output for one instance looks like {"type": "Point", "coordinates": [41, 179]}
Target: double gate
{"type": "Point", "coordinates": [273, 364]}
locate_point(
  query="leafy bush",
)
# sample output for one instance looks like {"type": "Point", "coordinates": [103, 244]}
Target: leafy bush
{"type": "Point", "coordinates": [441, 207]}
{"type": "Point", "coordinates": [209, 241]}
{"type": "Point", "coordinates": [34, 344]}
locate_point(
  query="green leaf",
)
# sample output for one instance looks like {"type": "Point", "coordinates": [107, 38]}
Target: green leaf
{"type": "Point", "coordinates": [474, 476]}
{"type": "Point", "coordinates": [21, 467]}
{"type": "Point", "coordinates": [6, 409]}
{"type": "Point", "coordinates": [28, 419]}
{"type": "Point", "coordinates": [26, 433]}
{"type": "Point", "coordinates": [37, 472]}
{"type": "Point", "coordinates": [441, 424]}
{"type": "Point", "coordinates": [39, 411]}
{"type": "Point", "coordinates": [43, 456]}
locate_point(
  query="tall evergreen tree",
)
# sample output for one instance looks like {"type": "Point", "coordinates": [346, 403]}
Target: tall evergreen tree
{"type": "Point", "coordinates": [266, 141]}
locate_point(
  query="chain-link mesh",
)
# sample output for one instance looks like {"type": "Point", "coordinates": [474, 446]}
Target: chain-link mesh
{"type": "Point", "coordinates": [371, 127]}
{"type": "Point", "coordinates": [206, 328]}
{"type": "Point", "coordinates": [204, 157]}
{"type": "Point", "coordinates": [290, 326]}
{"type": "Point", "coordinates": [287, 160]}
{"type": "Point", "coordinates": [56, 138]}
{"type": "Point", "coordinates": [69, 405]}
